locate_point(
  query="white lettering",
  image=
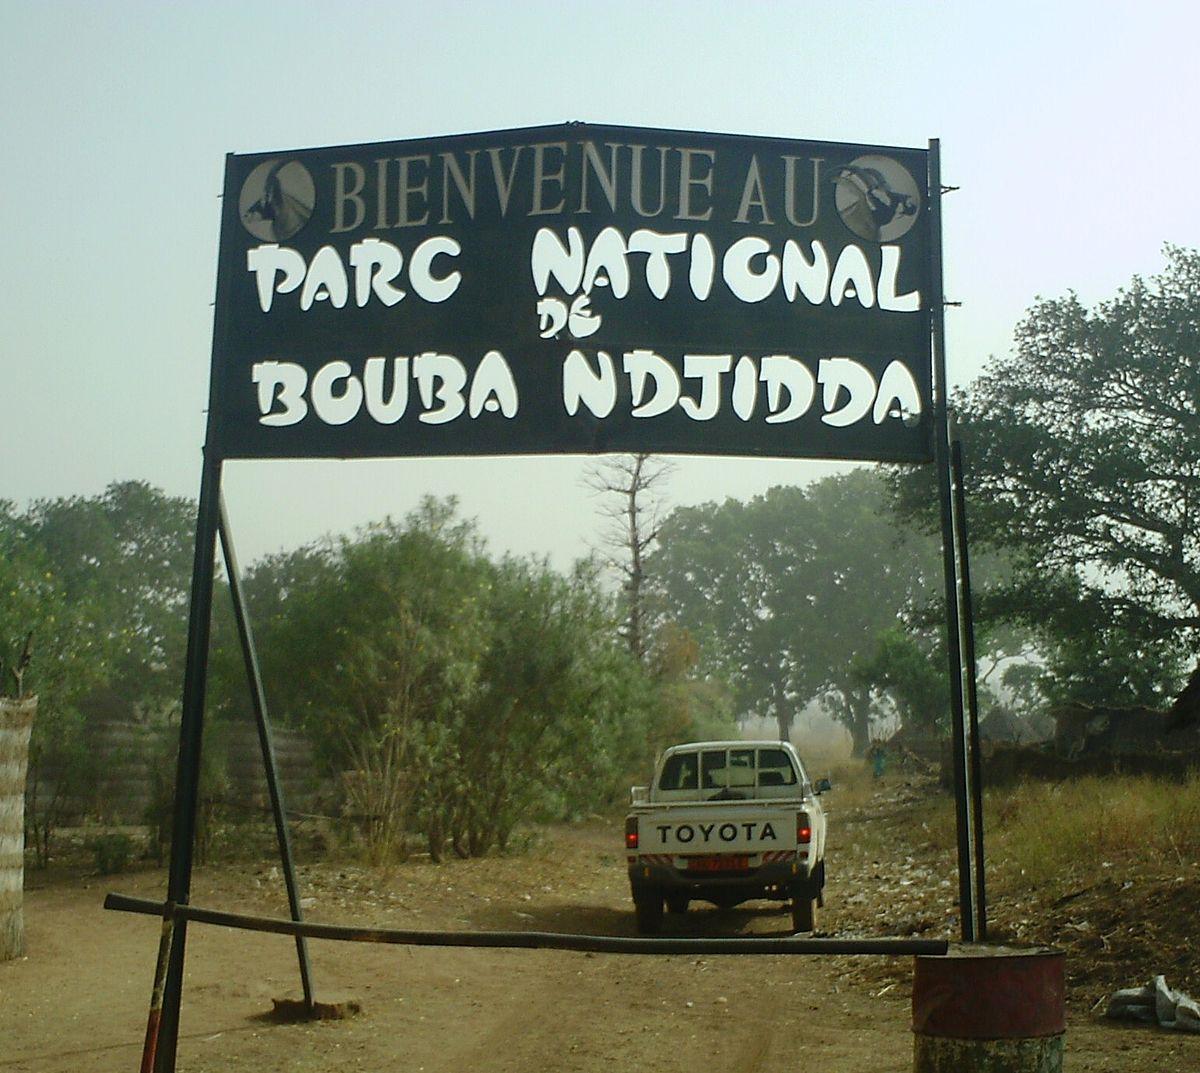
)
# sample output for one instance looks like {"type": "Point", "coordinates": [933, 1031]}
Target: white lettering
{"type": "Point", "coordinates": [493, 388]}
{"type": "Point", "coordinates": [326, 280]}
{"type": "Point", "coordinates": [708, 369]}
{"type": "Point", "coordinates": [607, 263]}
{"type": "Point", "coordinates": [740, 277]}
{"type": "Point", "coordinates": [703, 266]}
{"type": "Point", "coordinates": [852, 279]}
{"type": "Point", "coordinates": [289, 381]}
{"type": "Point", "coordinates": [430, 287]}
{"type": "Point", "coordinates": [897, 385]}
{"type": "Point", "coordinates": [750, 267]}
{"type": "Point", "coordinates": [595, 390]}
{"type": "Point", "coordinates": [376, 263]}
{"type": "Point", "coordinates": [334, 408]}
{"type": "Point", "coordinates": [810, 278]}
{"type": "Point", "coordinates": [641, 365]}
{"type": "Point", "coordinates": [836, 374]}
{"type": "Point", "coordinates": [336, 393]}
{"type": "Point", "coordinates": [386, 411]}
{"type": "Point", "coordinates": [779, 373]}
{"type": "Point", "coordinates": [745, 388]}
{"type": "Point", "coordinates": [549, 257]}
{"type": "Point", "coordinates": [267, 262]}
{"type": "Point", "coordinates": [888, 298]}
{"type": "Point", "coordinates": [440, 378]}
{"type": "Point", "coordinates": [552, 317]}
{"type": "Point", "coordinates": [658, 246]}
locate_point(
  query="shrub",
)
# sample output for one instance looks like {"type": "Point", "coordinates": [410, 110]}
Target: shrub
{"type": "Point", "coordinates": [113, 852]}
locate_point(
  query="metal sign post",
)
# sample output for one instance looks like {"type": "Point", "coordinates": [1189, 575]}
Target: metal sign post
{"type": "Point", "coordinates": [191, 730]}
{"type": "Point", "coordinates": [967, 622]}
{"type": "Point", "coordinates": [266, 742]}
{"type": "Point", "coordinates": [962, 788]}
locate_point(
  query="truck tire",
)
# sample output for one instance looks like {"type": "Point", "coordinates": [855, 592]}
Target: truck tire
{"type": "Point", "coordinates": [677, 903]}
{"type": "Point", "coordinates": [648, 908]}
{"type": "Point", "coordinates": [804, 911]}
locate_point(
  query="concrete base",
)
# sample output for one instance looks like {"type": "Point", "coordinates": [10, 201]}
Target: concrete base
{"type": "Point", "coordinates": [936, 1054]}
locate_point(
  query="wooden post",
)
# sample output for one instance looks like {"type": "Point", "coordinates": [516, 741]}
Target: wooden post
{"type": "Point", "coordinates": [16, 722]}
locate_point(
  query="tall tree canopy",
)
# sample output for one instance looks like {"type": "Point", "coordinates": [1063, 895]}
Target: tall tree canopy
{"type": "Point", "coordinates": [1083, 452]}
{"type": "Point", "coordinates": [101, 582]}
{"type": "Point", "coordinates": [125, 556]}
{"type": "Point", "coordinates": [791, 592]}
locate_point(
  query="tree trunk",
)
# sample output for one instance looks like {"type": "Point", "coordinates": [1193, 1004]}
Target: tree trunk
{"type": "Point", "coordinates": [784, 721]}
{"type": "Point", "coordinates": [16, 721]}
{"type": "Point", "coordinates": [858, 722]}
{"type": "Point", "coordinates": [860, 739]}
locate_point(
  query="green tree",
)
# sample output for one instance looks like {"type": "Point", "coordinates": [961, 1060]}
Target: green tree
{"type": "Point", "coordinates": [102, 583]}
{"type": "Point", "coordinates": [126, 556]}
{"type": "Point", "coordinates": [910, 669]}
{"type": "Point", "coordinates": [384, 629]}
{"type": "Point", "coordinates": [542, 728]}
{"type": "Point", "coordinates": [790, 590]}
{"type": "Point", "coordinates": [459, 694]}
{"type": "Point", "coordinates": [1083, 454]}
{"type": "Point", "coordinates": [66, 662]}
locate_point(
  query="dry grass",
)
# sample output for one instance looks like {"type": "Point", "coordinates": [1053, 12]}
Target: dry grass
{"type": "Point", "coordinates": [853, 784]}
{"type": "Point", "coordinates": [1066, 835]}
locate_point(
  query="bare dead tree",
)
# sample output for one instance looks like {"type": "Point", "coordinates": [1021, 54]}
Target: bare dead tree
{"type": "Point", "coordinates": [631, 487]}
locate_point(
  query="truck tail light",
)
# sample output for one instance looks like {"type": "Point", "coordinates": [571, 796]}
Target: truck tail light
{"type": "Point", "coordinates": [803, 829]}
{"type": "Point", "coordinates": [631, 832]}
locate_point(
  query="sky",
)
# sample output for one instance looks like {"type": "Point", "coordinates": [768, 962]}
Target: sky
{"type": "Point", "coordinates": [1068, 128]}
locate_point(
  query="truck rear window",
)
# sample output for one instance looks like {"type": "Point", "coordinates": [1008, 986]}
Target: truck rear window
{"type": "Point", "coordinates": [715, 769]}
{"type": "Point", "coordinates": [775, 768]}
{"type": "Point", "coordinates": [679, 772]}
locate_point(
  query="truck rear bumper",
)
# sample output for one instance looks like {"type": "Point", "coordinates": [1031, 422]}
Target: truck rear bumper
{"type": "Point", "coordinates": [770, 880]}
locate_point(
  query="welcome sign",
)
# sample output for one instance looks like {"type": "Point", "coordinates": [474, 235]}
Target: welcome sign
{"type": "Point", "coordinates": [575, 288]}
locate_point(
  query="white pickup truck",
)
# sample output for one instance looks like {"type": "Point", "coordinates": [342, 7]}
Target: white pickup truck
{"type": "Point", "coordinates": [726, 821]}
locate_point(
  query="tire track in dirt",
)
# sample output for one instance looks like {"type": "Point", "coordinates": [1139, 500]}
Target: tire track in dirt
{"type": "Point", "coordinates": [759, 1043]}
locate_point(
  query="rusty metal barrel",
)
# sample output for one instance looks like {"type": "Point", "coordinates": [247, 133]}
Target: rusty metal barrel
{"type": "Point", "coordinates": [989, 1009]}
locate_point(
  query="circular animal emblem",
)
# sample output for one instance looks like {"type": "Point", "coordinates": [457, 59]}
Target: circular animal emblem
{"type": "Point", "coordinates": [277, 199]}
{"type": "Point", "coordinates": [876, 198]}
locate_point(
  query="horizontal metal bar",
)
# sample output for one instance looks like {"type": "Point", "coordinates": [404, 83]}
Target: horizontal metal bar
{"type": "Point", "coordinates": [530, 940]}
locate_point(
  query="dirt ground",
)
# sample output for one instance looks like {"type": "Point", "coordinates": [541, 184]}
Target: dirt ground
{"type": "Point", "coordinates": [77, 1002]}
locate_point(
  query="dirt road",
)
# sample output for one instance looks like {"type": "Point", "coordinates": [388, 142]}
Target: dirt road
{"type": "Point", "coordinates": [78, 1001]}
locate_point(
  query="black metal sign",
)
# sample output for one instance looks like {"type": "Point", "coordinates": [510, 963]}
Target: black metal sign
{"type": "Point", "coordinates": [575, 288]}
